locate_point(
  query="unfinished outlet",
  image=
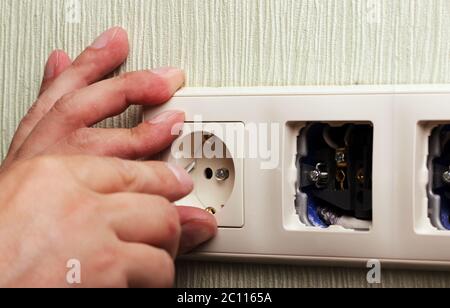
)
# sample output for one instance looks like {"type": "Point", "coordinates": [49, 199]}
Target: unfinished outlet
{"type": "Point", "coordinates": [334, 175]}
{"type": "Point", "coordinates": [439, 177]}
{"type": "Point", "coordinates": [210, 155]}
{"type": "Point", "coordinates": [347, 177]}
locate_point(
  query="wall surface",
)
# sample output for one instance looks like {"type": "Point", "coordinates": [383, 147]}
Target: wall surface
{"type": "Point", "coordinates": [238, 43]}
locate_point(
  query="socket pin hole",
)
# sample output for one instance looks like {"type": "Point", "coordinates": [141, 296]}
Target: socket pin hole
{"type": "Point", "coordinates": [209, 173]}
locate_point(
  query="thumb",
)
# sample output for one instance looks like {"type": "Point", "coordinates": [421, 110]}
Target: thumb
{"type": "Point", "coordinates": [198, 227]}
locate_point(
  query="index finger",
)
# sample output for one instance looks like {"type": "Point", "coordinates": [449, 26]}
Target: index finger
{"type": "Point", "coordinates": [99, 101]}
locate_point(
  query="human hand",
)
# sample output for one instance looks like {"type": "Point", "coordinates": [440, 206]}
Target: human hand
{"type": "Point", "coordinates": [73, 97]}
{"type": "Point", "coordinates": [52, 154]}
{"type": "Point", "coordinates": [114, 216]}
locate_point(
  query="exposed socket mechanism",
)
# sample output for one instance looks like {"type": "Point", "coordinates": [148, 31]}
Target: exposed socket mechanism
{"type": "Point", "coordinates": [439, 177]}
{"type": "Point", "coordinates": [334, 185]}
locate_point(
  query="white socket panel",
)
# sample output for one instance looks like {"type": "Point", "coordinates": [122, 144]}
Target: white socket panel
{"type": "Point", "coordinates": [270, 229]}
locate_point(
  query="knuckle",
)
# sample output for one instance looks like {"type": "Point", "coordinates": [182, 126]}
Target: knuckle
{"type": "Point", "coordinates": [153, 87]}
{"type": "Point", "coordinates": [62, 105]}
{"type": "Point", "coordinates": [81, 139]}
{"type": "Point", "coordinates": [158, 173]}
{"type": "Point", "coordinates": [126, 172]}
{"type": "Point", "coordinates": [68, 110]}
{"type": "Point", "coordinates": [63, 108]}
{"type": "Point", "coordinates": [84, 68]}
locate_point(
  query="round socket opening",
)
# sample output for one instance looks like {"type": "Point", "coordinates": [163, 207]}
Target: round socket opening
{"type": "Point", "coordinates": [209, 173]}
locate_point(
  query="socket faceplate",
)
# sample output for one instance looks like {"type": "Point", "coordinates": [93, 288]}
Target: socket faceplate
{"type": "Point", "coordinates": [213, 154]}
{"type": "Point", "coordinates": [401, 115]}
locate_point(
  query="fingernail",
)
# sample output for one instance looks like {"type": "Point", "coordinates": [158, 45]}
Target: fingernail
{"type": "Point", "coordinates": [182, 176]}
{"type": "Point", "coordinates": [105, 38]}
{"type": "Point", "coordinates": [194, 234]}
{"type": "Point", "coordinates": [167, 71]}
{"type": "Point", "coordinates": [174, 76]}
{"type": "Point", "coordinates": [177, 129]}
{"type": "Point", "coordinates": [164, 117]}
{"type": "Point", "coordinates": [51, 66]}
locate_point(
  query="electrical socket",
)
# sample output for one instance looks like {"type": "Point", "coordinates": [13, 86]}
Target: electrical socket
{"type": "Point", "coordinates": [214, 157]}
{"type": "Point", "coordinates": [402, 118]}
{"type": "Point", "coordinates": [334, 175]}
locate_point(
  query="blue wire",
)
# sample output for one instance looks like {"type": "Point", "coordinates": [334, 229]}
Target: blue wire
{"type": "Point", "coordinates": [313, 216]}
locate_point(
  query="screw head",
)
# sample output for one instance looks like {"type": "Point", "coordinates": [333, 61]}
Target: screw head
{"type": "Point", "coordinates": [211, 210]}
{"type": "Point", "coordinates": [222, 174]}
{"type": "Point", "coordinates": [319, 177]}
{"type": "Point", "coordinates": [446, 177]}
{"type": "Point", "coordinates": [314, 176]}
{"type": "Point", "coordinates": [340, 157]}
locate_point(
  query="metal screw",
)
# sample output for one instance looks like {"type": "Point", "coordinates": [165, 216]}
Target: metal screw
{"type": "Point", "coordinates": [222, 174]}
{"type": "Point", "coordinates": [340, 157]}
{"type": "Point", "coordinates": [319, 176]}
{"type": "Point", "coordinates": [446, 176]}
{"type": "Point", "coordinates": [211, 210]}
{"type": "Point", "coordinates": [314, 175]}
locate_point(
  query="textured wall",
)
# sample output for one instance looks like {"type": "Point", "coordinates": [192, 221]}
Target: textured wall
{"type": "Point", "coordinates": [239, 43]}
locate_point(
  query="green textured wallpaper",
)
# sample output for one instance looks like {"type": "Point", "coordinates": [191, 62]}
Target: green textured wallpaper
{"type": "Point", "coordinates": [238, 43]}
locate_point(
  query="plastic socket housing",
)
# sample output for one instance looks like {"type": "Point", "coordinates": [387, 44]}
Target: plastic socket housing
{"type": "Point", "coordinates": [402, 118]}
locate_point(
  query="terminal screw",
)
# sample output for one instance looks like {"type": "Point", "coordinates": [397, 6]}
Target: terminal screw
{"type": "Point", "coordinates": [211, 210]}
{"type": "Point", "coordinates": [222, 174]}
{"type": "Point", "coordinates": [319, 176]}
{"type": "Point", "coordinates": [341, 158]}
{"type": "Point", "coordinates": [446, 177]}
{"type": "Point", "coordinates": [314, 175]}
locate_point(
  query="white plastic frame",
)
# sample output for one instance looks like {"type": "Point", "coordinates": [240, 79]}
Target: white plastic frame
{"type": "Point", "coordinates": [401, 234]}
